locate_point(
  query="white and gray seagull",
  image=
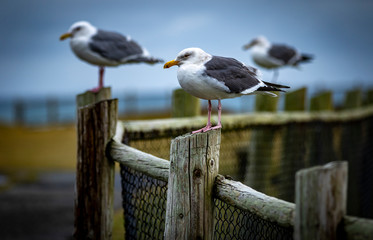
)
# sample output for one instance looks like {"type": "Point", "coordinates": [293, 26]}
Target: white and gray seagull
{"type": "Point", "coordinates": [274, 56]}
{"type": "Point", "coordinates": [214, 78]}
{"type": "Point", "coordinates": [104, 48]}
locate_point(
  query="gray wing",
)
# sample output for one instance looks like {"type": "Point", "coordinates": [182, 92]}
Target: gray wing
{"type": "Point", "coordinates": [114, 46]}
{"type": "Point", "coordinates": [282, 52]}
{"type": "Point", "coordinates": [234, 74]}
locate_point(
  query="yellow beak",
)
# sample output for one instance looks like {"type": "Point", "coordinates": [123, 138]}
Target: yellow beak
{"type": "Point", "coordinates": [171, 63]}
{"type": "Point", "coordinates": [65, 35]}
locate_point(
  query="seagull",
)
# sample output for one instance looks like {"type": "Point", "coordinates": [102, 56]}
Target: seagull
{"type": "Point", "coordinates": [104, 48]}
{"type": "Point", "coordinates": [214, 78]}
{"type": "Point", "coordinates": [274, 56]}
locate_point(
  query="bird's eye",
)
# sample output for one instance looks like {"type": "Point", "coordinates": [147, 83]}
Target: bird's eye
{"type": "Point", "coordinates": [186, 55]}
{"type": "Point", "coordinates": [77, 28]}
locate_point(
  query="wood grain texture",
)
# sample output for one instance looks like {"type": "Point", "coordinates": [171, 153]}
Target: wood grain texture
{"type": "Point", "coordinates": [95, 172]}
{"type": "Point", "coordinates": [248, 199]}
{"type": "Point", "coordinates": [193, 168]}
{"type": "Point", "coordinates": [140, 161]}
{"type": "Point", "coordinates": [90, 97]}
{"type": "Point", "coordinates": [321, 196]}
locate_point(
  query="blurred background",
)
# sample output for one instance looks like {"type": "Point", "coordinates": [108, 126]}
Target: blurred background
{"type": "Point", "coordinates": [40, 77]}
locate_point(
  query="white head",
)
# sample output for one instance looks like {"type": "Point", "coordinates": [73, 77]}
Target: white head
{"type": "Point", "coordinates": [258, 41]}
{"type": "Point", "coordinates": [190, 56]}
{"type": "Point", "coordinates": [79, 29]}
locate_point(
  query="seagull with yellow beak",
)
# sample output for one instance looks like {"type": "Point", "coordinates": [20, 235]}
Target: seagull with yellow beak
{"type": "Point", "coordinates": [215, 78]}
{"type": "Point", "coordinates": [103, 48]}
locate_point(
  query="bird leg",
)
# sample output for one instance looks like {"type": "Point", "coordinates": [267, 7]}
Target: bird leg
{"type": "Point", "coordinates": [219, 116]}
{"type": "Point", "coordinates": [208, 125]}
{"type": "Point", "coordinates": [100, 80]}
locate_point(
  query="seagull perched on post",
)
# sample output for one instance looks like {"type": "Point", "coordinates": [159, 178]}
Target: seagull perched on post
{"type": "Point", "coordinates": [104, 48]}
{"type": "Point", "coordinates": [214, 78]}
{"type": "Point", "coordinates": [274, 56]}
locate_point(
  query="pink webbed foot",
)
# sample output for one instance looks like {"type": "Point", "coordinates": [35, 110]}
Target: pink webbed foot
{"type": "Point", "coordinates": [207, 128]}
{"type": "Point", "coordinates": [204, 129]}
{"type": "Point", "coordinates": [216, 127]}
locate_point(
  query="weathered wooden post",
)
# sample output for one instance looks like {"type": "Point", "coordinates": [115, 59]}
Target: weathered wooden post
{"type": "Point", "coordinates": [95, 173]}
{"type": "Point", "coordinates": [184, 104]}
{"type": "Point", "coordinates": [295, 100]}
{"type": "Point", "coordinates": [321, 196]}
{"type": "Point", "coordinates": [265, 103]}
{"type": "Point", "coordinates": [354, 138]}
{"type": "Point", "coordinates": [261, 167]}
{"type": "Point", "coordinates": [368, 100]}
{"type": "Point", "coordinates": [90, 97]}
{"type": "Point", "coordinates": [294, 135]}
{"type": "Point", "coordinates": [321, 138]}
{"type": "Point", "coordinates": [322, 102]}
{"type": "Point", "coordinates": [193, 168]}
{"type": "Point", "coordinates": [353, 99]}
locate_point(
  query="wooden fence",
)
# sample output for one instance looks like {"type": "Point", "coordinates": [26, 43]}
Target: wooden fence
{"type": "Point", "coordinates": [193, 177]}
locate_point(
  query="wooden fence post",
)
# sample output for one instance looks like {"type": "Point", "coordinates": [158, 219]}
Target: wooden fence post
{"type": "Point", "coordinates": [321, 195]}
{"type": "Point", "coordinates": [294, 135]}
{"type": "Point", "coordinates": [321, 138]}
{"type": "Point", "coordinates": [265, 103]}
{"type": "Point", "coordinates": [368, 100]}
{"type": "Point", "coordinates": [184, 104]}
{"type": "Point", "coordinates": [353, 99]}
{"type": "Point", "coordinates": [193, 168]}
{"type": "Point", "coordinates": [90, 97]}
{"type": "Point", "coordinates": [322, 102]}
{"type": "Point", "coordinates": [95, 172]}
{"type": "Point", "coordinates": [261, 165]}
{"type": "Point", "coordinates": [296, 100]}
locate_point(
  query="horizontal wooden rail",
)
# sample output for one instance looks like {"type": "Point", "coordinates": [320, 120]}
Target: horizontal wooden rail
{"type": "Point", "coordinates": [357, 228]}
{"type": "Point", "coordinates": [247, 199]}
{"type": "Point", "coordinates": [143, 162]}
{"type": "Point", "coordinates": [176, 126]}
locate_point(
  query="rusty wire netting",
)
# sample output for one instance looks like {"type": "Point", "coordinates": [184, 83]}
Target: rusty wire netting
{"type": "Point", "coordinates": [266, 158]}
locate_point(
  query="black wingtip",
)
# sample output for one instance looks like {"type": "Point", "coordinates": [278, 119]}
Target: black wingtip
{"type": "Point", "coordinates": [306, 57]}
{"type": "Point", "coordinates": [275, 85]}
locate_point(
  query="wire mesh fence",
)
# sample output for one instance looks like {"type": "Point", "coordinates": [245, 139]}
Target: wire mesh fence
{"type": "Point", "coordinates": [144, 204]}
{"type": "Point", "coordinates": [266, 158]}
{"type": "Point", "coordinates": [236, 224]}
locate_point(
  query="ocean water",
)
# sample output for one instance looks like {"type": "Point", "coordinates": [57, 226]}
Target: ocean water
{"type": "Point", "coordinates": [60, 110]}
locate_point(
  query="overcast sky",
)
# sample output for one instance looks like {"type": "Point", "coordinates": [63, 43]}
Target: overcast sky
{"type": "Point", "coordinates": [33, 62]}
